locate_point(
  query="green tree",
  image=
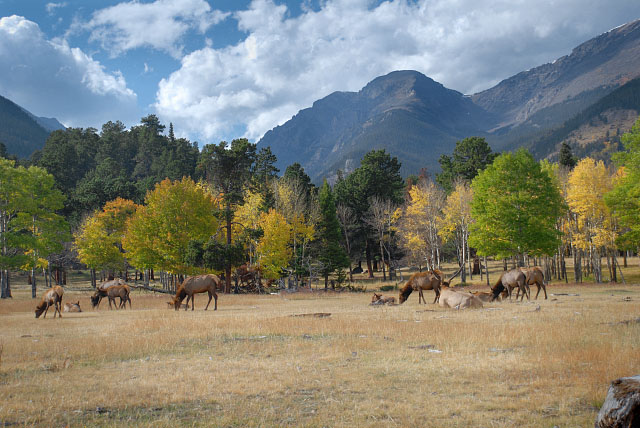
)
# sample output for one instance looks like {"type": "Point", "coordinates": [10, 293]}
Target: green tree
{"type": "Point", "coordinates": [11, 199]}
{"type": "Point", "coordinates": [624, 198]}
{"type": "Point", "coordinates": [378, 175]}
{"type": "Point", "coordinates": [330, 253]}
{"type": "Point", "coordinates": [470, 156]}
{"type": "Point", "coordinates": [565, 157]}
{"type": "Point", "coordinates": [46, 230]}
{"type": "Point", "coordinates": [228, 168]}
{"type": "Point", "coordinates": [515, 207]}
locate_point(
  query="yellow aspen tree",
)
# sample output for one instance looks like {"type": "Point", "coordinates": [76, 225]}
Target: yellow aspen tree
{"type": "Point", "coordinates": [274, 250]}
{"type": "Point", "coordinates": [418, 227]}
{"type": "Point", "coordinates": [594, 226]}
{"type": "Point", "coordinates": [455, 220]}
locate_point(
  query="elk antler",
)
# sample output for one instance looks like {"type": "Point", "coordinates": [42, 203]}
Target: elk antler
{"type": "Point", "coordinates": [455, 274]}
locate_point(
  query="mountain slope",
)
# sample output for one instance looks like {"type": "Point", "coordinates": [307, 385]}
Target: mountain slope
{"type": "Point", "coordinates": [593, 130]}
{"type": "Point", "coordinates": [412, 116]}
{"type": "Point", "coordinates": [19, 131]}
{"type": "Point", "coordinates": [592, 70]}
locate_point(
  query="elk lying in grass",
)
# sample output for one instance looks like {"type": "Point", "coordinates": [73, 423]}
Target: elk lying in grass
{"type": "Point", "coordinates": [379, 299]}
{"type": "Point", "coordinates": [72, 307]}
{"type": "Point", "coordinates": [450, 298]}
{"type": "Point", "coordinates": [52, 297]}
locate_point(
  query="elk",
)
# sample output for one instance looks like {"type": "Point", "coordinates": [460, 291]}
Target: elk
{"type": "Point", "coordinates": [52, 297]}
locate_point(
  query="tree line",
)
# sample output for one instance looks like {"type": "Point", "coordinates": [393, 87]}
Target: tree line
{"type": "Point", "coordinates": [140, 200]}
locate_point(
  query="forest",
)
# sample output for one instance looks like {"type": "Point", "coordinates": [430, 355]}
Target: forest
{"type": "Point", "coordinates": [142, 202]}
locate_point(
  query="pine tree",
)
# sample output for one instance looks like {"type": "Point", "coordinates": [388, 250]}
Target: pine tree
{"type": "Point", "coordinates": [330, 252]}
{"type": "Point", "coordinates": [565, 157]}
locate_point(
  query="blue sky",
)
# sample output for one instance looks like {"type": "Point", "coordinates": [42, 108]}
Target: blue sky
{"type": "Point", "coordinates": [222, 69]}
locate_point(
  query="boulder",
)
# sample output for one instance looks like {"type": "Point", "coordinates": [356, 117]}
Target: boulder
{"type": "Point", "coordinates": [621, 408]}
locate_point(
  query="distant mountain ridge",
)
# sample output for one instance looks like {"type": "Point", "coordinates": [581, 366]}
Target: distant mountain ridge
{"type": "Point", "coordinates": [403, 110]}
{"type": "Point", "coordinates": [21, 131]}
{"type": "Point", "coordinates": [418, 119]}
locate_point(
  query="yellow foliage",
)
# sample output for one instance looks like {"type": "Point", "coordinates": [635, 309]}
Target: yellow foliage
{"type": "Point", "coordinates": [274, 250]}
{"type": "Point", "coordinates": [587, 184]}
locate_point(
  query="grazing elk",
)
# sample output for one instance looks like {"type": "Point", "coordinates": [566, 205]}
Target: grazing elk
{"type": "Point", "coordinates": [197, 284]}
{"type": "Point", "coordinates": [121, 291]}
{"type": "Point", "coordinates": [534, 276]}
{"type": "Point", "coordinates": [72, 307]}
{"type": "Point", "coordinates": [379, 299]}
{"type": "Point", "coordinates": [429, 280]}
{"type": "Point", "coordinates": [510, 280]}
{"type": "Point", "coordinates": [52, 297]}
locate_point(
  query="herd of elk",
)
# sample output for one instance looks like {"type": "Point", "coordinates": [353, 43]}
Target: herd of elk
{"type": "Point", "coordinates": [520, 278]}
{"type": "Point", "coordinates": [52, 297]}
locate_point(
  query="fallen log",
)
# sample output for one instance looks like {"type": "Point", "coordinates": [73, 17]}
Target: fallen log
{"type": "Point", "coordinates": [621, 408]}
{"type": "Point", "coordinates": [155, 290]}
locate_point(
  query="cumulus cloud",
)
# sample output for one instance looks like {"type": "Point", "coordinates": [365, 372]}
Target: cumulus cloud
{"type": "Point", "coordinates": [53, 79]}
{"type": "Point", "coordinates": [286, 62]}
{"type": "Point", "coordinates": [161, 25]}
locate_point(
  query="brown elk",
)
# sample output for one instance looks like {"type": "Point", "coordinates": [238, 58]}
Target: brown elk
{"type": "Point", "coordinates": [72, 307]}
{"type": "Point", "coordinates": [52, 297]}
{"type": "Point", "coordinates": [379, 299]}
{"type": "Point", "coordinates": [534, 276]}
{"type": "Point", "coordinates": [510, 280]}
{"type": "Point", "coordinates": [429, 280]}
{"type": "Point", "coordinates": [121, 291]}
{"type": "Point", "coordinates": [197, 284]}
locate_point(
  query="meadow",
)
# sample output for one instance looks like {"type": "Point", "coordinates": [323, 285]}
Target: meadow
{"type": "Point", "coordinates": [266, 360]}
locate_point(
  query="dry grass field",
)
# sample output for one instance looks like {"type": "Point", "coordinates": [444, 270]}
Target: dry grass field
{"type": "Point", "coordinates": [255, 363]}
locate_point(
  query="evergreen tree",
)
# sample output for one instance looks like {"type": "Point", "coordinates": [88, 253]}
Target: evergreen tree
{"type": "Point", "coordinates": [330, 252]}
{"type": "Point", "coordinates": [565, 157]}
{"type": "Point", "coordinates": [228, 168]}
{"type": "Point", "coordinates": [470, 156]}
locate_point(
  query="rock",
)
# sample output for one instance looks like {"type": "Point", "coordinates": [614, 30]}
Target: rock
{"type": "Point", "coordinates": [621, 408]}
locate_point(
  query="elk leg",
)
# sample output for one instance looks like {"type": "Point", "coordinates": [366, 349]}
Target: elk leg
{"type": "Point", "coordinates": [186, 305]}
{"type": "Point", "coordinates": [215, 306]}
{"type": "Point", "coordinates": [544, 287]}
{"type": "Point", "coordinates": [420, 296]}
{"type": "Point", "coordinates": [193, 300]}
{"type": "Point", "coordinates": [45, 311]}
{"type": "Point", "coordinates": [437, 296]}
{"type": "Point", "coordinates": [205, 308]}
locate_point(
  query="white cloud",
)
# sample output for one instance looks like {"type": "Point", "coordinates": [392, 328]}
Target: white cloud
{"type": "Point", "coordinates": [285, 63]}
{"type": "Point", "coordinates": [53, 79]}
{"type": "Point", "coordinates": [161, 25]}
{"type": "Point", "coordinates": [51, 7]}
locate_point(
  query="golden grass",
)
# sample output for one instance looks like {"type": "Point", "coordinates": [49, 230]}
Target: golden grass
{"type": "Point", "coordinates": [253, 364]}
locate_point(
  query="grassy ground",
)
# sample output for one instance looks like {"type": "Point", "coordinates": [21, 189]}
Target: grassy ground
{"type": "Point", "coordinates": [255, 363]}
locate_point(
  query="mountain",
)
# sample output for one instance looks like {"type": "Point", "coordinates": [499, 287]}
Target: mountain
{"type": "Point", "coordinates": [546, 96]}
{"type": "Point", "coordinates": [22, 132]}
{"type": "Point", "coordinates": [588, 97]}
{"type": "Point", "coordinates": [409, 114]}
{"type": "Point", "coordinates": [596, 130]}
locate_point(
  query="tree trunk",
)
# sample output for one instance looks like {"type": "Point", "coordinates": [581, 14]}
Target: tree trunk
{"type": "Point", "coordinates": [5, 285]}
{"type": "Point", "coordinates": [33, 283]}
{"type": "Point", "coordinates": [384, 272]}
{"type": "Point", "coordinates": [368, 254]}
{"type": "Point", "coordinates": [486, 267]}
